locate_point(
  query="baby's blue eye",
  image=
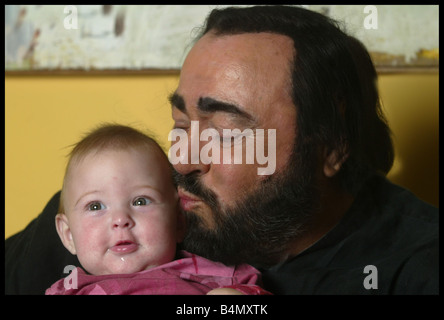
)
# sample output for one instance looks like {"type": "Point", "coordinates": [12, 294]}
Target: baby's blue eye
{"type": "Point", "coordinates": [94, 206]}
{"type": "Point", "coordinates": [141, 201]}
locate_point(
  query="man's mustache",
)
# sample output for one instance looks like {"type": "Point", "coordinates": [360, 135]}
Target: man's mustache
{"type": "Point", "coordinates": [191, 183]}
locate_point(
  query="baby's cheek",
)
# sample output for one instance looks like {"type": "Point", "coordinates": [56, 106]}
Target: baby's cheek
{"type": "Point", "coordinates": [161, 242]}
{"type": "Point", "coordinates": [90, 240]}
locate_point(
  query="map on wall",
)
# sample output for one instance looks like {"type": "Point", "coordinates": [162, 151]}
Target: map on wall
{"type": "Point", "coordinates": [157, 37]}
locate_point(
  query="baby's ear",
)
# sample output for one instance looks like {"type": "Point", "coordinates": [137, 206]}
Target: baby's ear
{"type": "Point", "coordinates": [64, 231]}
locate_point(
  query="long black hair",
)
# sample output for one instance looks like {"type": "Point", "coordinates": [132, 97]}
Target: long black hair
{"type": "Point", "coordinates": [334, 85]}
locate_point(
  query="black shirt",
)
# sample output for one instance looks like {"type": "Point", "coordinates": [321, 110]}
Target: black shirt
{"type": "Point", "coordinates": [387, 243]}
{"type": "Point", "coordinates": [387, 228]}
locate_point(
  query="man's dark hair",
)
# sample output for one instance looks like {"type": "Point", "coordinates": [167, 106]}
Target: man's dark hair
{"type": "Point", "coordinates": [334, 85]}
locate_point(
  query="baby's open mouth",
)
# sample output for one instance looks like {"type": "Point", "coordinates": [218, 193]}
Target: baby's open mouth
{"type": "Point", "coordinates": [124, 247]}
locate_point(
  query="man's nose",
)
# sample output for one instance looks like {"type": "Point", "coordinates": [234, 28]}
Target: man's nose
{"type": "Point", "coordinates": [187, 157]}
{"type": "Point", "coordinates": [186, 168]}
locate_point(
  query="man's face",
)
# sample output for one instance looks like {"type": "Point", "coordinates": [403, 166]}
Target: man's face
{"type": "Point", "coordinates": [234, 82]}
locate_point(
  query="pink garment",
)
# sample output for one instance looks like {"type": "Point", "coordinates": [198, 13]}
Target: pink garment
{"type": "Point", "coordinates": [191, 274]}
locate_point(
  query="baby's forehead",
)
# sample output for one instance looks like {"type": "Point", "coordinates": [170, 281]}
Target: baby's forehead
{"type": "Point", "coordinates": [149, 161]}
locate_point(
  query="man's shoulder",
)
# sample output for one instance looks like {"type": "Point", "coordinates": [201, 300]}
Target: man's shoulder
{"type": "Point", "coordinates": [406, 224]}
{"type": "Point", "coordinates": [417, 228]}
{"type": "Point", "coordinates": [419, 273]}
{"type": "Point", "coordinates": [389, 236]}
{"type": "Point", "coordinates": [401, 202]}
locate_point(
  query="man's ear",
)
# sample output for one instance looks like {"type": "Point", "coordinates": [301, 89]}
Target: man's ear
{"type": "Point", "coordinates": [64, 231]}
{"type": "Point", "coordinates": [333, 162]}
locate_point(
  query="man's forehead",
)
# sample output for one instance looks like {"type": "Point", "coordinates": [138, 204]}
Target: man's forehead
{"type": "Point", "coordinates": [238, 55]}
{"type": "Point", "coordinates": [264, 39]}
{"type": "Point", "coordinates": [248, 71]}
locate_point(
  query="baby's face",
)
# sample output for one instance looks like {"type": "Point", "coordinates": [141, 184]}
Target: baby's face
{"type": "Point", "coordinates": [121, 212]}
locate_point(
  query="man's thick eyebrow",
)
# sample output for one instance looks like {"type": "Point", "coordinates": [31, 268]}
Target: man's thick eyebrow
{"type": "Point", "coordinates": [177, 101]}
{"type": "Point", "coordinates": [211, 105]}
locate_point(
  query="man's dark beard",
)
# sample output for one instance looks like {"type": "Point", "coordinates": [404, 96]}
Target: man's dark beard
{"type": "Point", "coordinates": [259, 228]}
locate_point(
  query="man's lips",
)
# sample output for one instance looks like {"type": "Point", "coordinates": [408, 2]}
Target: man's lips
{"type": "Point", "coordinates": [187, 200]}
{"type": "Point", "coordinates": [124, 247]}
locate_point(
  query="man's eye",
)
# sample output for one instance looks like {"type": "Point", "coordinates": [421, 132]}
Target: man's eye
{"type": "Point", "coordinates": [181, 124]}
{"type": "Point", "coordinates": [94, 206]}
{"type": "Point", "coordinates": [141, 201]}
{"type": "Point", "coordinates": [227, 140]}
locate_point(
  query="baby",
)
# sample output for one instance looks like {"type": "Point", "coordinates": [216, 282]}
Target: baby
{"type": "Point", "coordinates": [119, 214]}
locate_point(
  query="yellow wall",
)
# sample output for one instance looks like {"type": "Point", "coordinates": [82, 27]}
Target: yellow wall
{"type": "Point", "coordinates": [411, 104]}
{"type": "Point", "coordinates": [45, 115]}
